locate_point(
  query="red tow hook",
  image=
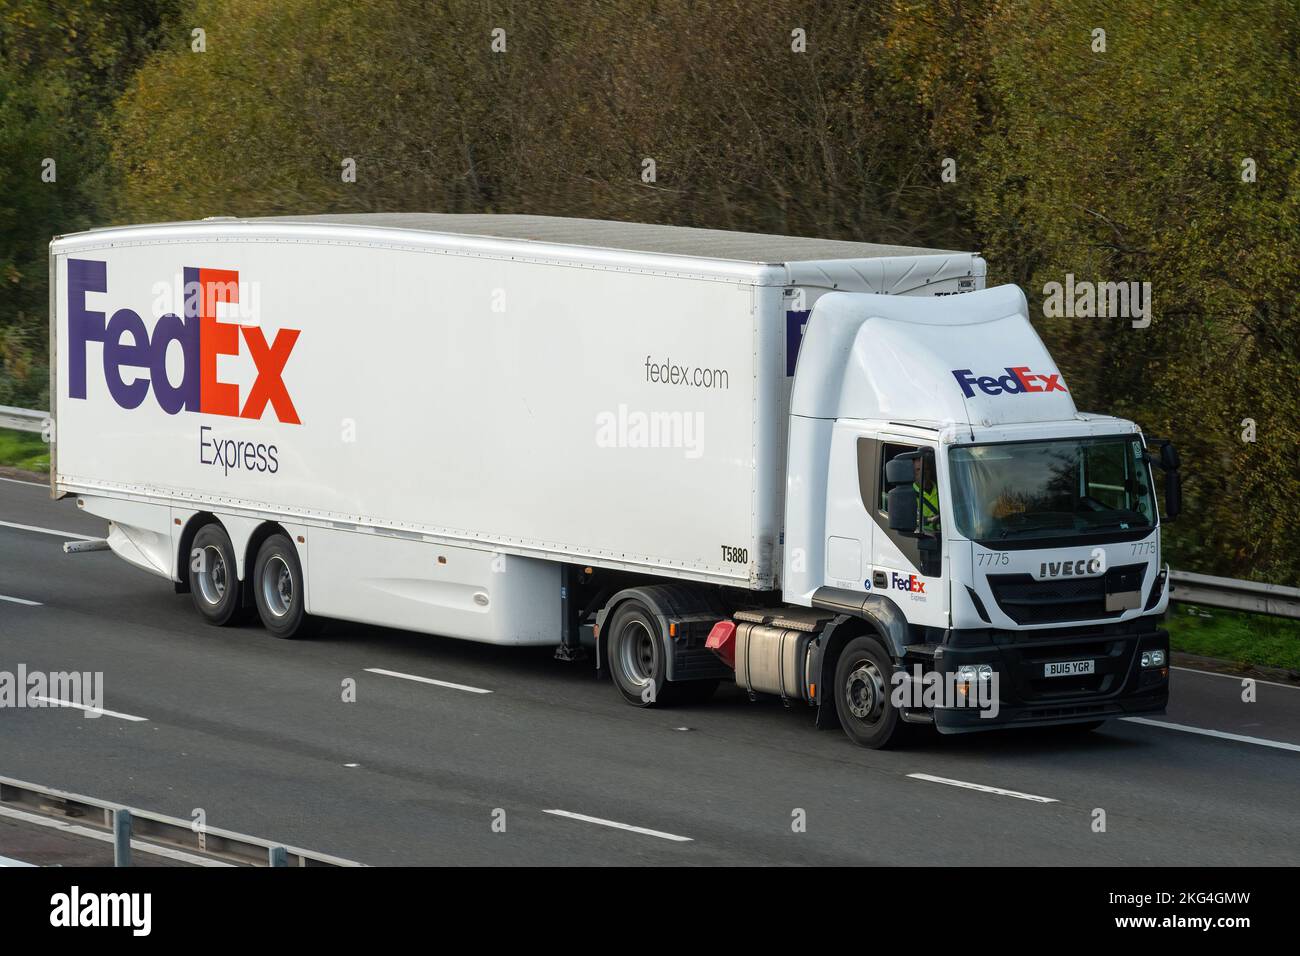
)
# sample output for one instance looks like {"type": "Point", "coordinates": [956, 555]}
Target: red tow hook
{"type": "Point", "coordinates": [722, 641]}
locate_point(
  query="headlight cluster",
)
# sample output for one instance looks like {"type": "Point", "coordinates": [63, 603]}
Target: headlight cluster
{"type": "Point", "coordinates": [968, 674]}
{"type": "Point", "coordinates": [1153, 658]}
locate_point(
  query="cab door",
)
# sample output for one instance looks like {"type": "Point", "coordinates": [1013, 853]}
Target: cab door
{"type": "Point", "coordinates": [907, 569]}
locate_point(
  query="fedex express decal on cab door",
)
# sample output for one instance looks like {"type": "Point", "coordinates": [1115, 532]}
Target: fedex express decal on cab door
{"type": "Point", "coordinates": [128, 347]}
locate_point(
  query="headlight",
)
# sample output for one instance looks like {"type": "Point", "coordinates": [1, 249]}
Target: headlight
{"type": "Point", "coordinates": [968, 674]}
{"type": "Point", "coordinates": [1153, 658]}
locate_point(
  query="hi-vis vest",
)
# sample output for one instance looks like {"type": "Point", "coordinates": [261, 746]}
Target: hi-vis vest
{"type": "Point", "coordinates": [929, 505]}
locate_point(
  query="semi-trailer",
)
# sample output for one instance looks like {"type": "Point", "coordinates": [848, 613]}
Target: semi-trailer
{"type": "Point", "coordinates": [841, 473]}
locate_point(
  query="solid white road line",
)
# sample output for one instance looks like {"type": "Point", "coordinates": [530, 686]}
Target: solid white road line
{"type": "Point", "coordinates": [983, 789]}
{"type": "Point", "coordinates": [86, 707]}
{"type": "Point", "coordinates": [10, 861]}
{"type": "Point", "coordinates": [5, 597]}
{"type": "Point", "coordinates": [20, 481]}
{"type": "Point", "coordinates": [427, 680]}
{"type": "Point", "coordinates": [1222, 735]}
{"type": "Point", "coordinates": [620, 826]}
{"type": "Point", "coordinates": [77, 830]}
{"type": "Point", "coordinates": [1239, 677]}
{"type": "Point", "coordinates": [61, 534]}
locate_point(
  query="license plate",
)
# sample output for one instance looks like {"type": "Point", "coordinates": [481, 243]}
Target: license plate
{"type": "Point", "coordinates": [1067, 668]}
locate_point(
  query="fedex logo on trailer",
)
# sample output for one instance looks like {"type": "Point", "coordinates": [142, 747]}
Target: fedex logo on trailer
{"type": "Point", "coordinates": [201, 337]}
{"type": "Point", "coordinates": [1017, 381]}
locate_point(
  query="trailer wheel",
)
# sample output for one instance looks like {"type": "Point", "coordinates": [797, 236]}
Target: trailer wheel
{"type": "Point", "coordinates": [637, 656]}
{"type": "Point", "coordinates": [862, 694]}
{"type": "Point", "coordinates": [214, 582]}
{"type": "Point", "coordinates": [277, 585]}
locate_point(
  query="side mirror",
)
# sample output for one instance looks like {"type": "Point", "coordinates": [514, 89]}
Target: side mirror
{"type": "Point", "coordinates": [903, 502]}
{"type": "Point", "coordinates": [1173, 494]}
{"type": "Point", "coordinates": [899, 471]}
{"type": "Point", "coordinates": [1170, 464]}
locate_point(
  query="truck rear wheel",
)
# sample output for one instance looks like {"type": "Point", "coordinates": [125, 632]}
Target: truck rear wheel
{"type": "Point", "coordinates": [214, 581]}
{"type": "Point", "coordinates": [863, 694]}
{"type": "Point", "coordinates": [278, 590]}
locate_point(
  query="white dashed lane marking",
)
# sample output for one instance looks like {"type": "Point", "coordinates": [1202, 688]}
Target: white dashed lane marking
{"type": "Point", "coordinates": [427, 680]}
{"type": "Point", "coordinates": [97, 711]}
{"type": "Point", "coordinates": [1220, 734]}
{"type": "Point", "coordinates": [620, 826]}
{"type": "Point", "coordinates": [966, 785]}
{"type": "Point", "coordinates": [32, 527]}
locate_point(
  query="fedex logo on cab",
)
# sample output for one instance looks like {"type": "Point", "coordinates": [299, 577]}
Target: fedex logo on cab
{"type": "Point", "coordinates": [909, 583]}
{"type": "Point", "coordinates": [1018, 380]}
{"type": "Point", "coordinates": [127, 345]}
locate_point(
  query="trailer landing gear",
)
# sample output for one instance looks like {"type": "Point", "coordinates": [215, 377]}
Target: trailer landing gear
{"type": "Point", "coordinates": [570, 647]}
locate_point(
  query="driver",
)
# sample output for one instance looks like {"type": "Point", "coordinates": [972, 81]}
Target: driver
{"type": "Point", "coordinates": [928, 494]}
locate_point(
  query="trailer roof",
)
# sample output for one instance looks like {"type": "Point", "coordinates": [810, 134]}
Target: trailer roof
{"type": "Point", "coordinates": [626, 236]}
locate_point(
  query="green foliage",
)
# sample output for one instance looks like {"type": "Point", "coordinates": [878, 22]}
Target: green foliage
{"type": "Point", "coordinates": [1115, 165]}
{"type": "Point", "coordinates": [1127, 166]}
{"type": "Point", "coordinates": [62, 65]}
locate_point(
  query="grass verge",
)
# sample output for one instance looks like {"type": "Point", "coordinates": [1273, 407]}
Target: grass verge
{"type": "Point", "coordinates": [1234, 636]}
{"type": "Point", "coordinates": [25, 450]}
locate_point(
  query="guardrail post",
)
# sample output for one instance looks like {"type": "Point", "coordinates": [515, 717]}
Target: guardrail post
{"type": "Point", "coordinates": [121, 837]}
{"type": "Point", "coordinates": [277, 856]}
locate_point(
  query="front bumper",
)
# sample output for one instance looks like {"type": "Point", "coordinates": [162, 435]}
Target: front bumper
{"type": "Point", "coordinates": [1118, 687]}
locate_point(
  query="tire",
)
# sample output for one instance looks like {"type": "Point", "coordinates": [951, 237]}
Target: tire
{"type": "Point", "coordinates": [214, 583]}
{"type": "Point", "coordinates": [862, 695]}
{"type": "Point", "coordinates": [278, 589]}
{"type": "Point", "coordinates": [638, 659]}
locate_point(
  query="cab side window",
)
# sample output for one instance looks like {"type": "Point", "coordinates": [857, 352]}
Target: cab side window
{"type": "Point", "coordinates": [922, 552]}
{"type": "Point", "coordinates": [882, 489]}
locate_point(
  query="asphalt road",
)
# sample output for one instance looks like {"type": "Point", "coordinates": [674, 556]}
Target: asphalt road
{"type": "Point", "coordinates": [255, 732]}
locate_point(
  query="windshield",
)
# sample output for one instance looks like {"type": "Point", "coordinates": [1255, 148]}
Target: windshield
{"type": "Point", "coordinates": [1051, 489]}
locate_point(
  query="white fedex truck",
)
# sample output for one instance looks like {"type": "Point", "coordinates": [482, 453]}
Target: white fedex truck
{"type": "Point", "coordinates": [842, 473]}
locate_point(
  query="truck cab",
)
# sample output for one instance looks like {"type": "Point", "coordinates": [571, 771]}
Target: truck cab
{"type": "Point", "coordinates": [990, 555]}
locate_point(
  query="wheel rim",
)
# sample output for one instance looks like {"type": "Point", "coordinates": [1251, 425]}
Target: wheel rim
{"type": "Point", "coordinates": [864, 690]}
{"type": "Point", "coordinates": [277, 586]}
{"type": "Point", "coordinates": [212, 575]}
{"type": "Point", "coordinates": [638, 654]}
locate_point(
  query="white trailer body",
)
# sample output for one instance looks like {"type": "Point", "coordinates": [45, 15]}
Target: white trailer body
{"type": "Point", "coordinates": [445, 411]}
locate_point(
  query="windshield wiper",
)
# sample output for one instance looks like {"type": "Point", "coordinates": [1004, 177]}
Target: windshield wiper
{"type": "Point", "coordinates": [1126, 524]}
{"type": "Point", "coordinates": [1009, 532]}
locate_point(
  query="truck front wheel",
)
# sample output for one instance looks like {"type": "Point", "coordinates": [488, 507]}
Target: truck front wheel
{"type": "Point", "coordinates": [863, 694]}
{"type": "Point", "coordinates": [637, 657]}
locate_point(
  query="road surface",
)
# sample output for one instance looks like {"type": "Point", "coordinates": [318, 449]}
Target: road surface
{"type": "Point", "coordinates": [551, 767]}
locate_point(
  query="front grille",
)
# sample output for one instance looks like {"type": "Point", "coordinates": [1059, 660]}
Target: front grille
{"type": "Point", "coordinates": [1029, 601]}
